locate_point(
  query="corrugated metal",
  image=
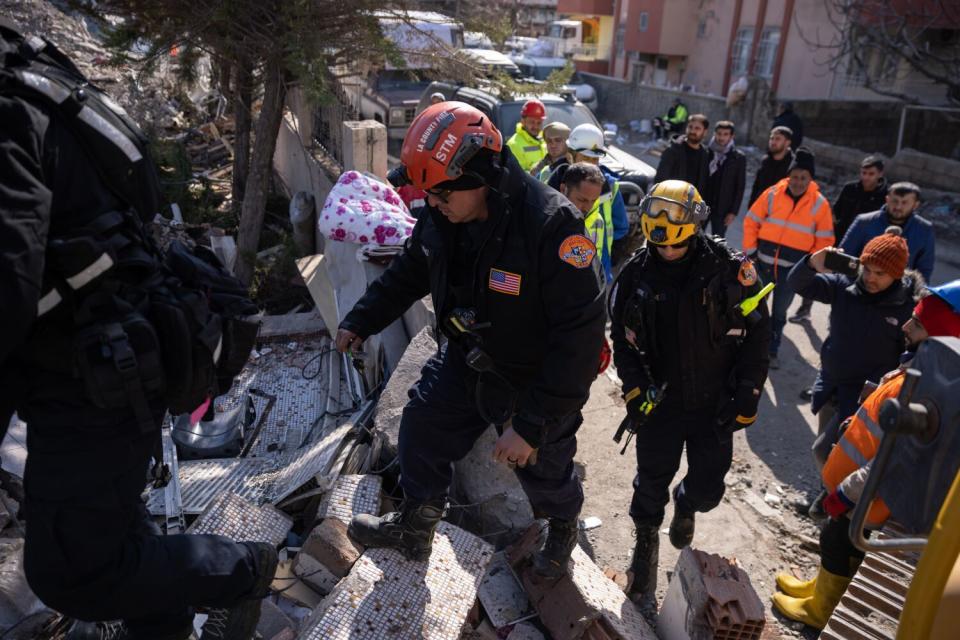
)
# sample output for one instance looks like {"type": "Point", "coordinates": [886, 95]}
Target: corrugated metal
{"type": "Point", "coordinates": [871, 607]}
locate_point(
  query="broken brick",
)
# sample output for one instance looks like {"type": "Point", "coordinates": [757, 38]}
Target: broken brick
{"type": "Point", "coordinates": [330, 545]}
{"type": "Point", "coordinates": [710, 597]}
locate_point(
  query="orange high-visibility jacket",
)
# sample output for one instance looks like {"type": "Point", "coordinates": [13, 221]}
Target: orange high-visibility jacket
{"type": "Point", "coordinates": [783, 230]}
{"type": "Point", "coordinates": [859, 444]}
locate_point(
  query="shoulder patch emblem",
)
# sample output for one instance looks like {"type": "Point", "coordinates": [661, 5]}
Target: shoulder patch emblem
{"type": "Point", "coordinates": [578, 251]}
{"type": "Point", "coordinates": [748, 273]}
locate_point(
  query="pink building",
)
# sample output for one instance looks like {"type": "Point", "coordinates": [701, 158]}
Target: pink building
{"type": "Point", "coordinates": [708, 44]}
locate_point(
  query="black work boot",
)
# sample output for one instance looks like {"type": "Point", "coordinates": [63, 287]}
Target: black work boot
{"type": "Point", "coordinates": [562, 536]}
{"type": "Point", "coordinates": [409, 530]}
{"type": "Point", "coordinates": [682, 525]}
{"type": "Point", "coordinates": [239, 622]}
{"type": "Point", "coordinates": [646, 553]}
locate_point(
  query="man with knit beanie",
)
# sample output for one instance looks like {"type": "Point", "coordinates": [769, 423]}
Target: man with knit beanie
{"type": "Point", "coordinates": [864, 339]}
{"type": "Point", "coordinates": [846, 470]}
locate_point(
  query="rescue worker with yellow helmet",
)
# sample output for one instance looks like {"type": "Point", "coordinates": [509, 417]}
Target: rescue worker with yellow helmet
{"type": "Point", "coordinates": [690, 334]}
{"type": "Point", "coordinates": [607, 222]}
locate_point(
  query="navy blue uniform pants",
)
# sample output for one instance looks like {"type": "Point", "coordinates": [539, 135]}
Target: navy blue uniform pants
{"type": "Point", "coordinates": [441, 423]}
{"type": "Point", "coordinates": [660, 444]}
{"type": "Point", "coordinates": [91, 551]}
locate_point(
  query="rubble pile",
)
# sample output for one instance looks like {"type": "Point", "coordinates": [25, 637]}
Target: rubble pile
{"type": "Point", "coordinates": [146, 97]}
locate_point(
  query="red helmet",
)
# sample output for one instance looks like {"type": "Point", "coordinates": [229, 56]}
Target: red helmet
{"type": "Point", "coordinates": [442, 139]}
{"type": "Point", "coordinates": [533, 109]}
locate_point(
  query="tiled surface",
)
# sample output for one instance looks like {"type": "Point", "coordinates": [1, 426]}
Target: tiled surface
{"type": "Point", "coordinates": [387, 596]}
{"type": "Point", "coordinates": [351, 495]}
{"type": "Point", "coordinates": [231, 516]}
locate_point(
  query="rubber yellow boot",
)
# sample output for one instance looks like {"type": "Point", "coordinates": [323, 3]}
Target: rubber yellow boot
{"type": "Point", "coordinates": [816, 609]}
{"type": "Point", "coordinates": [795, 587]}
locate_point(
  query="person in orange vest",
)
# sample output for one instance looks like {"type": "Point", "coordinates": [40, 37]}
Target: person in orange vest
{"type": "Point", "coordinates": [788, 221]}
{"type": "Point", "coordinates": [845, 475]}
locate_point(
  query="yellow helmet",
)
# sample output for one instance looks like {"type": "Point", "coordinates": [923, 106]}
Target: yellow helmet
{"type": "Point", "coordinates": [671, 211]}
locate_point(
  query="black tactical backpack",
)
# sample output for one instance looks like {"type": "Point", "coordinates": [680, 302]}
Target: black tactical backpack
{"type": "Point", "coordinates": [144, 326]}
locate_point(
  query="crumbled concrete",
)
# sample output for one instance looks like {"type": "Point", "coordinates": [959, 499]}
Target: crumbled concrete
{"type": "Point", "coordinates": [394, 397]}
{"type": "Point", "coordinates": [502, 509]}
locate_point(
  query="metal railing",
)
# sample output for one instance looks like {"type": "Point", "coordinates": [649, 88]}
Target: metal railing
{"type": "Point", "coordinates": [329, 117]}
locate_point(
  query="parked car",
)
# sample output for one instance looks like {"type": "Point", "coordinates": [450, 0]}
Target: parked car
{"type": "Point", "coordinates": [505, 114]}
{"type": "Point", "coordinates": [491, 61]}
{"type": "Point", "coordinates": [476, 40]}
{"type": "Point", "coordinates": [538, 68]}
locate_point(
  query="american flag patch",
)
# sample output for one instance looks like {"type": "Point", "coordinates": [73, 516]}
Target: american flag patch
{"type": "Point", "coordinates": [505, 282]}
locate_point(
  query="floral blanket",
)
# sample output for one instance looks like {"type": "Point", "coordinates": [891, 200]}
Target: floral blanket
{"type": "Point", "coordinates": [364, 210]}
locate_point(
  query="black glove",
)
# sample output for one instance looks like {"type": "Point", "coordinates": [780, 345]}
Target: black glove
{"type": "Point", "coordinates": [635, 399]}
{"type": "Point", "coordinates": [740, 411]}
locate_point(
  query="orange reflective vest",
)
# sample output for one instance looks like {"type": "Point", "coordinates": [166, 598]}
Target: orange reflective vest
{"type": "Point", "coordinates": [783, 230]}
{"type": "Point", "coordinates": [859, 444]}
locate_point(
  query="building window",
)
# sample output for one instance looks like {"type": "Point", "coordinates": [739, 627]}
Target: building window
{"type": "Point", "coordinates": [740, 55]}
{"type": "Point", "coordinates": [618, 38]}
{"type": "Point", "coordinates": [644, 20]}
{"type": "Point", "coordinates": [767, 51]}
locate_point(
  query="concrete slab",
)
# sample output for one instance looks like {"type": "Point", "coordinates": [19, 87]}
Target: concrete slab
{"type": "Point", "coordinates": [394, 397]}
{"type": "Point", "coordinates": [231, 516]}
{"type": "Point", "coordinates": [503, 509]}
{"type": "Point", "coordinates": [387, 596]}
{"type": "Point", "coordinates": [501, 595]}
{"type": "Point", "coordinates": [351, 495]}
{"type": "Point", "coordinates": [525, 631]}
{"type": "Point", "coordinates": [584, 603]}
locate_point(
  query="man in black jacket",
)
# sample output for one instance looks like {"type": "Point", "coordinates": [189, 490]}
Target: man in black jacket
{"type": "Point", "coordinates": [867, 194]}
{"type": "Point", "coordinates": [518, 293]}
{"type": "Point", "coordinates": [693, 364]}
{"type": "Point", "coordinates": [860, 196]}
{"type": "Point", "coordinates": [775, 165]}
{"type": "Point", "coordinates": [91, 549]}
{"type": "Point", "coordinates": [728, 177]}
{"type": "Point", "coordinates": [686, 158]}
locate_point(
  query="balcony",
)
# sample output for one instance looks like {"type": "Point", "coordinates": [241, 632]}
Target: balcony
{"type": "Point", "coordinates": [590, 7]}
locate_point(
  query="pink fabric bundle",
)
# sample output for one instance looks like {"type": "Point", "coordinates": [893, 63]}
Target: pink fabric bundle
{"type": "Point", "coordinates": [363, 210]}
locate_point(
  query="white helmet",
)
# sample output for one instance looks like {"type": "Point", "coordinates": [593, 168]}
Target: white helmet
{"type": "Point", "coordinates": [588, 140]}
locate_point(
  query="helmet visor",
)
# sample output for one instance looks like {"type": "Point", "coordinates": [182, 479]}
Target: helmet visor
{"type": "Point", "coordinates": [675, 212]}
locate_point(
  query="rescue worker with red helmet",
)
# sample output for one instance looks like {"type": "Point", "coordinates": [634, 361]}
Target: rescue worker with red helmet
{"type": "Point", "coordinates": [527, 144]}
{"type": "Point", "coordinates": [517, 291]}
{"type": "Point", "coordinates": [690, 332]}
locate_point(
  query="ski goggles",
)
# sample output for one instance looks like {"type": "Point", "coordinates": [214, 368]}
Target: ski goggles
{"type": "Point", "coordinates": [675, 212]}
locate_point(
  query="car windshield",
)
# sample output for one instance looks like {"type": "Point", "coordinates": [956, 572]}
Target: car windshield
{"type": "Point", "coordinates": [398, 80]}
{"type": "Point", "coordinates": [571, 114]}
